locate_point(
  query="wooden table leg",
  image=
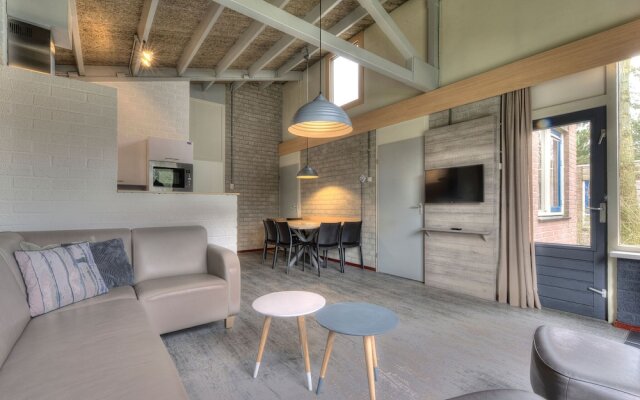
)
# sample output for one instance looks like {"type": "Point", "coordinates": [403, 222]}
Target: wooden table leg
{"type": "Point", "coordinates": [263, 341]}
{"type": "Point", "coordinates": [375, 358]}
{"type": "Point", "coordinates": [368, 354]}
{"type": "Point", "coordinates": [325, 360]}
{"type": "Point", "coordinates": [305, 349]}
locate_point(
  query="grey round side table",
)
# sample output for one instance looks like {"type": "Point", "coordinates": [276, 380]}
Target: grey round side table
{"type": "Point", "coordinates": [356, 319]}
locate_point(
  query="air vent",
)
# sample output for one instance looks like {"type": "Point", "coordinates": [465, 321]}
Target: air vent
{"type": "Point", "coordinates": [29, 46]}
{"type": "Point", "coordinates": [20, 29]}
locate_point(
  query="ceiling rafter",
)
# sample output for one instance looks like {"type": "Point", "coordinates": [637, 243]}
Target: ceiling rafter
{"type": "Point", "coordinates": [75, 37]}
{"type": "Point", "coordinates": [144, 27]}
{"type": "Point", "coordinates": [110, 73]}
{"type": "Point", "coordinates": [389, 27]}
{"type": "Point", "coordinates": [281, 45]}
{"type": "Point", "coordinates": [418, 74]}
{"type": "Point", "coordinates": [245, 40]}
{"type": "Point", "coordinates": [338, 29]}
{"type": "Point", "coordinates": [199, 35]}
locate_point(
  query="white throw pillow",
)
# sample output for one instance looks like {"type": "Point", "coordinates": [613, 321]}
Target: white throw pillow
{"type": "Point", "coordinates": [59, 276]}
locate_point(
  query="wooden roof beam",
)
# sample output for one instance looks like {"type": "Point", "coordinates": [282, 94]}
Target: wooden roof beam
{"type": "Point", "coordinates": [199, 35]}
{"type": "Point", "coordinates": [75, 38]}
{"type": "Point", "coordinates": [144, 27]}
{"type": "Point", "coordinates": [418, 75]}
{"type": "Point", "coordinates": [245, 40]}
{"type": "Point", "coordinates": [281, 45]}
{"type": "Point", "coordinates": [389, 27]}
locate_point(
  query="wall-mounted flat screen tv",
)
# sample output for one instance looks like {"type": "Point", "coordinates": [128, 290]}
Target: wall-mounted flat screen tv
{"type": "Point", "coordinates": [454, 185]}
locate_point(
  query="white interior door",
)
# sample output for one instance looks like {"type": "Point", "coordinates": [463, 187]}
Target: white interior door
{"type": "Point", "coordinates": [400, 198]}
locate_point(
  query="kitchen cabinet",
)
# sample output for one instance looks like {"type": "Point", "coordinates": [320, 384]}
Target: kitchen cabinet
{"type": "Point", "coordinates": [207, 132]}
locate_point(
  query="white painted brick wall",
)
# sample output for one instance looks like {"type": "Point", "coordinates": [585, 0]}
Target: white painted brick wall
{"type": "Point", "coordinates": [58, 159]}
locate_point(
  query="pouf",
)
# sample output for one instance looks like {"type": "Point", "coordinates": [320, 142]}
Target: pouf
{"type": "Point", "coordinates": [568, 365]}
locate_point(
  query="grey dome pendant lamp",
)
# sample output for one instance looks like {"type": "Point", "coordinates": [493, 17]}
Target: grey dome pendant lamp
{"type": "Point", "coordinates": [320, 118]}
{"type": "Point", "coordinates": [307, 172]}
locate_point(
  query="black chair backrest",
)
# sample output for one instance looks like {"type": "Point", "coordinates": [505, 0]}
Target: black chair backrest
{"type": "Point", "coordinates": [270, 230]}
{"type": "Point", "coordinates": [351, 232]}
{"type": "Point", "coordinates": [328, 234]}
{"type": "Point", "coordinates": [284, 233]}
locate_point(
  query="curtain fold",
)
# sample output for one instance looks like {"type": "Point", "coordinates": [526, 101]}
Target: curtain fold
{"type": "Point", "coordinates": [517, 282]}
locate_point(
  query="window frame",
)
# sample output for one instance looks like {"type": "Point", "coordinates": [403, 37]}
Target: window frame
{"type": "Point", "coordinates": [544, 177]}
{"type": "Point", "coordinates": [357, 40]}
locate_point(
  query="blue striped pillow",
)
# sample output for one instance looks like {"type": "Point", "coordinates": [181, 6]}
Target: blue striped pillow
{"type": "Point", "coordinates": [60, 276]}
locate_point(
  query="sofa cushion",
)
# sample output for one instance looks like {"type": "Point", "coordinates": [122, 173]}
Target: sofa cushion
{"type": "Point", "coordinates": [122, 292]}
{"type": "Point", "coordinates": [112, 262]}
{"type": "Point", "coordinates": [106, 351]}
{"type": "Point", "coordinates": [170, 251]}
{"type": "Point", "coordinates": [179, 302]}
{"type": "Point", "coordinates": [60, 276]}
{"type": "Point", "coordinates": [14, 310]}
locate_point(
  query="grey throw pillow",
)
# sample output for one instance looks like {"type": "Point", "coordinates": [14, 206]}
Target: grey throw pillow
{"type": "Point", "coordinates": [113, 263]}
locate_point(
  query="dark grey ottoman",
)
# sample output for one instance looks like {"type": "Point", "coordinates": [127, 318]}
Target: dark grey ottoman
{"type": "Point", "coordinates": [568, 365]}
{"type": "Point", "coordinates": [500, 394]}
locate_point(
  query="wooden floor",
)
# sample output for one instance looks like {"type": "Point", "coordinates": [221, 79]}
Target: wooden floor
{"type": "Point", "coordinates": [445, 345]}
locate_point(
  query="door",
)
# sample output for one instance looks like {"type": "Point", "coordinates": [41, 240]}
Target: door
{"type": "Point", "coordinates": [289, 191]}
{"type": "Point", "coordinates": [400, 198]}
{"type": "Point", "coordinates": [569, 211]}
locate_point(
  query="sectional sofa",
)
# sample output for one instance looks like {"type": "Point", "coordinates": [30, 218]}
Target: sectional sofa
{"type": "Point", "coordinates": [109, 347]}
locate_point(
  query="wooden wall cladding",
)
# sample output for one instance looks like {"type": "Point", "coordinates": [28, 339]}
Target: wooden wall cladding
{"type": "Point", "coordinates": [464, 263]}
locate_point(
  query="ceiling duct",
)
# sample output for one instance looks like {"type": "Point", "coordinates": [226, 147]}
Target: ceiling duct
{"type": "Point", "coordinates": [29, 47]}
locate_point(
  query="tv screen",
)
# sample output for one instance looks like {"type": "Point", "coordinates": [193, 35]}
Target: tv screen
{"type": "Point", "coordinates": [454, 185]}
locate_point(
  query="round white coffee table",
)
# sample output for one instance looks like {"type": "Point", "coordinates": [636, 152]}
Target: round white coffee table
{"type": "Point", "coordinates": [285, 305]}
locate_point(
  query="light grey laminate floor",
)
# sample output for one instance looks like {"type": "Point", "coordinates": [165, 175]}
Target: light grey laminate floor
{"type": "Point", "coordinates": [446, 344]}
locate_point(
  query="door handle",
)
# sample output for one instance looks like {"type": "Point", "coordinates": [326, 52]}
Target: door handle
{"type": "Point", "coordinates": [601, 292]}
{"type": "Point", "coordinates": [602, 211]}
{"type": "Point", "coordinates": [420, 207]}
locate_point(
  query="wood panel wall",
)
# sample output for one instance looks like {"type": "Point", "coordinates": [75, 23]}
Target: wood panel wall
{"type": "Point", "coordinates": [464, 263]}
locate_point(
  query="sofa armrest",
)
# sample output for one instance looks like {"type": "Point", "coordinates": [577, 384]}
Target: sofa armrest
{"type": "Point", "coordinates": [225, 264]}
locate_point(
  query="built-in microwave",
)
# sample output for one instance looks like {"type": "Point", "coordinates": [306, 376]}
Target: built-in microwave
{"type": "Point", "coordinates": [166, 176]}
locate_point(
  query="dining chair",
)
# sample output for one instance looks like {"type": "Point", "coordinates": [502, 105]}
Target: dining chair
{"type": "Point", "coordinates": [350, 237]}
{"type": "Point", "coordinates": [286, 241]}
{"type": "Point", "coordinates": [327, 238]}
{"type": "Point", "coordinates": [270, 236]}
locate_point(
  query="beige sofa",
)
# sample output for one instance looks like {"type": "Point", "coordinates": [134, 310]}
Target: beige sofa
{"type": "Point", "coordinates": [109, 347]}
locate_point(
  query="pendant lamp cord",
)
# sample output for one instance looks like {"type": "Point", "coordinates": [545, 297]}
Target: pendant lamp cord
{"type": "Point", "coordinates": [320, 25]}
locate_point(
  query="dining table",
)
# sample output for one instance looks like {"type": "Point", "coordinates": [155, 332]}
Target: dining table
{"type": "Point", "coordinates": [304, 230]}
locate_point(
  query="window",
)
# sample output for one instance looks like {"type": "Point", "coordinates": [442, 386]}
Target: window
{"type": "Point", "coordinates": [586, 198]}
{"type": "Point", "coordinates": [345, 77]}
{"type": "Point", "coordinates": [550, 172]}
{"type": "Point", "coordinates": [629, 152]}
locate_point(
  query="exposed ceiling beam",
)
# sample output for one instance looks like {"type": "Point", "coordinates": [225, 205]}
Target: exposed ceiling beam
{"type": "Point", "coordinates": [199, 35]}
{"type": "Point", "coordinates": [389, 27]}
{"type": "Point", "coordinates": [338, 29]}
{"type": "Point", "coordinates": [433, 33]}
{"type": "Point", "coordinates": [603, 48]}
{"type": "Point", "coordinates": [281, 45]}
{"type": "Point", "coordinates": [109, 73]}
{"type": "Point", "coordinates": [75, 37]}
{"type": "Point", "coordinates": [419, 76]}
{"type": "Point", "coordinates": [144, 27]}
{"type": "Point", "coordinates": [248, 36]}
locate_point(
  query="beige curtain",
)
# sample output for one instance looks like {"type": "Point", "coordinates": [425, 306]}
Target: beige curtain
{"type": "Point", "coordinates": [517, 282]}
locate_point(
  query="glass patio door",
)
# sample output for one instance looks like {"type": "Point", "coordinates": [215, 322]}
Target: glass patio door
{"type": "Point", "coordinates": [569, 211]}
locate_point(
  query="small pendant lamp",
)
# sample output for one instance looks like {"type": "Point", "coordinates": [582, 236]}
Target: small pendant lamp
{"type": "Point", "coordinates": [307, 172]}
{"type": "Point", "coordinates": [320, 118]}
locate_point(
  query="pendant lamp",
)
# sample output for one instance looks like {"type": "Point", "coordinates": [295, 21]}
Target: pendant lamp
{"type": "Point", "coordinates": [320, 118]}
{"type": "Point", "coordinates": [307, 172]}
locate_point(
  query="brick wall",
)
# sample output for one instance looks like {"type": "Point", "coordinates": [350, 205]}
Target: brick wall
{"type": "Point", "coordinates": [257, 133]}
{"type": "Point", "coordinates": [339, 193]}
{"type": "Point", "coordinates": [58, 164]}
